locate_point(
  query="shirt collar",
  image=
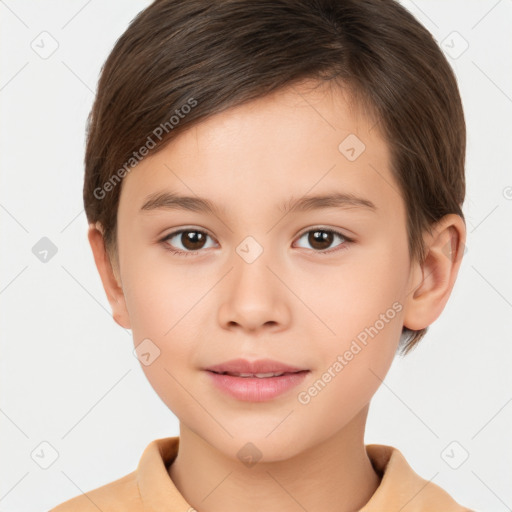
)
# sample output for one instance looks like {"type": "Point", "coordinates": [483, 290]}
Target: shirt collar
{"type": "Point", "coordinates": [400, 488]}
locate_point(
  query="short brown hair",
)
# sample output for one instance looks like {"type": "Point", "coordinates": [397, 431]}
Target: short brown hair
{"type": "Point", "coordinates": [215, 54]}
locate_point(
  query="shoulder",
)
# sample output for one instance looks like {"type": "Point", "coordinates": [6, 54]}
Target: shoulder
{"type": "Point", "coordinates": [122, 492]}
{"type": "Point", "coordinates": [149, 483]}
{"type": "Point", "coordinates": [401, 488]}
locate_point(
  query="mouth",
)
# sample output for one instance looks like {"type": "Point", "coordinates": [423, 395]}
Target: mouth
{"type": "Point", "coordinates": [259, 381]}
{"type": "Point", "coordinates": [261, 368]}
{"type": "Point", "coordinates": [266, 375]}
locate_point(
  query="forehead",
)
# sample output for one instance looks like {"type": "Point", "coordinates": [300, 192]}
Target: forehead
{"type": "Point", "coordinates": [296, 141]}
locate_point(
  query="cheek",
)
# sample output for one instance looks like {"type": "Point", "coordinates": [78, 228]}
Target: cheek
{"type": "Point", "coordinates": [364, 308]}
{"type": "Point", "coordinates": [168, 305]}
{"type": "Point", "coordinates": [163, 311]}
{"type": "Point", "coordinates": [367, 320]}
{"type": "Point", "coordinates": [365, 292]}
{"type": "Point", "coordinates": [160, 295]}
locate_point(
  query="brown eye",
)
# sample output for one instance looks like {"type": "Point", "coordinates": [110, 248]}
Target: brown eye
{"type": "Point", "coordinates": [186, 241]}
{"type": "Point", "coordinates": [321, 239]}
{"type": "Point", "coordinates": [192, 240]}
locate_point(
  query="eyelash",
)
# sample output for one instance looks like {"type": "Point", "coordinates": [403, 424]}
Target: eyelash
{"type": "Point", "coordinates": [341, 247]}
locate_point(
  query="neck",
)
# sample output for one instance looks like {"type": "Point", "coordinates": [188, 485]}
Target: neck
{"type": "Point", "coordinates": [334, 476]}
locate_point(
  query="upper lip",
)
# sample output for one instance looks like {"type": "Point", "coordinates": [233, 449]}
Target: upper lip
{"type": "Point", "coordinates": [253, 367]}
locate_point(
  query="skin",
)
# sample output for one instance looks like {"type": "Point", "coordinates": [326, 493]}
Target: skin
{"type": "Point", "coordinates": [292, 304]}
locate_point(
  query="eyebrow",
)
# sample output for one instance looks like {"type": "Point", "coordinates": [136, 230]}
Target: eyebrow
{"type": "Point", "coordinates": [171, 201]}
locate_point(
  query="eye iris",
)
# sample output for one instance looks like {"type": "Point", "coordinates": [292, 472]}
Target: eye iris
{"type": "Point", "coordinates": [192, 240]}
{"type": "Point", "coordinates": [321, 237]}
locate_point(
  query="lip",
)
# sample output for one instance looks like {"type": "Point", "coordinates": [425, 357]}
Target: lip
{"type": "Point", "coordinates": [257, 366]}
{"type": "Point", "coordinates": [255, 389]}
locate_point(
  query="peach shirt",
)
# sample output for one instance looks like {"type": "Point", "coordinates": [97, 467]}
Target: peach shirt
{"type": "Point", "coordinates": [150, 489]}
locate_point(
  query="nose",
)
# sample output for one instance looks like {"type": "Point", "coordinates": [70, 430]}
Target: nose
{"type": "Point", "coordinates": [253, 296]}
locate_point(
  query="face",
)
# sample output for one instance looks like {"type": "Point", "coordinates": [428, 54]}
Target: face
{"type": "Point", "coordinates": [268, 273]}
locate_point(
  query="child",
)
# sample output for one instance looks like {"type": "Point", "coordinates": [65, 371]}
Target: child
{"type": "Point", "coordinates": [267, 129]}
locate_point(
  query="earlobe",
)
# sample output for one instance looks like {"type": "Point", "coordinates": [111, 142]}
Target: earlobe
{"type": "Point", "coordinates": [432, 281]}
{"type": "Point", "coordinates": [110, 283]}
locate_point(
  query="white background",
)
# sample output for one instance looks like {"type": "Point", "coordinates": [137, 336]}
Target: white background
{"type": "Point", "coordinates": [68, 375]}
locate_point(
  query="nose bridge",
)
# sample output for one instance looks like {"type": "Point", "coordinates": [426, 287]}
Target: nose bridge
{"type": "Point", "coordinates": [251, 263]}
{"type": "Point", "coordinates": [252, 296]}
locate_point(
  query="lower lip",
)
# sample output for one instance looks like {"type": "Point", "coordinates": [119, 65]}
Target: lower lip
{"type": "Point", "coordinates": [252, 389]}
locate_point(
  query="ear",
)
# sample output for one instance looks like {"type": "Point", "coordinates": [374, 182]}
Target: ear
{"type": "Point", "coordinates": [431, 282]}
{"type": "Point", "coordinates": [110, 282]}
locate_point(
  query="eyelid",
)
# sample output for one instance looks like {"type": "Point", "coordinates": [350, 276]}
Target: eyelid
{"type": "Point", "coordinates": [178, 252]}
{"type": "Point", "coordinates": [178, 231]}
{"type": "Point", "coordinates": [320, 227]}
{"type": "Point", "coordinates": [326, 252]}
{"type": "Point", "coordinates": [347, 239]}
